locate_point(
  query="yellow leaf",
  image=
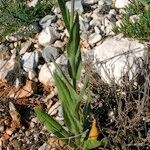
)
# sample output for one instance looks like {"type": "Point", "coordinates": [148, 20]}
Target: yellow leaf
{"type": "Point", "coordinates": [94, 132]}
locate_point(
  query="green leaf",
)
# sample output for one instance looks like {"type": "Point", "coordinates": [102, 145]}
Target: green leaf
{"type": "Point", "coordinates": [74, 40]}
{"type": "Point", "coordinates": [90, 144]}
{"type": "Point", "coordinates": [69, 104]}
{"type": "Point", "coordinates": [52, 125]}
{"type": "Point", "coordinates": [73, 51]}
{"type": "Point", "coordinates": [65, 14]}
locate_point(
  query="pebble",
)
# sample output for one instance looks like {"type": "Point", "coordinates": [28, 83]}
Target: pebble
{"type": "Point", "coordinates": [47, 20]}
{"type": "Point", "coordinates": [121, 3]}
{"type": "Point", "coordinates": [25, 47]}
{"type": "Point", "coordinates": [54, 108]}
{"type": "Point", "coordinates": [50, 51]}
{"type": "Point", "coordinates": [48, 36]}
{"type": "Point", "coordinates": [2, 128]}
{"type": "Point", "coordinates": [78, 6]}
{"type": "Point", "coordinates": [94, 38]}
{"type": "Point", "coordinates": [30, 61]}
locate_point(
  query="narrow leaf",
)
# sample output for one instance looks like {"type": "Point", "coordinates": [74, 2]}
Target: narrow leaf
{"type": "Point", "coordinates": [52, 125]}
{"type": "Point", "coordinates": [69, 104]}
{"type": "Point", "coordinates": [90, 144]}
{"type": "Point", "coordinates": [65, 13]}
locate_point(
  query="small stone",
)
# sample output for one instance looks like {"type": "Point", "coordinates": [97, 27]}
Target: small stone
{"type": "Point", "coordinates": [50, 51]}
{"type": "Point", "coordinates": [105, 2]}
{"type": "Point", "coordinates": [84, 26]}
{"type": "Point", "coordinates": [97, 30]}
{"type": "Point", "coordinates": [25, 46]}
{"type": "Point", "coordinates": [54, 109]}
{"type": "Point", "coordinates": [32, 75]}
{"type": "Point", "coordinates": [94, 38]}
{"type": "Point", "coordinates": [47, 20]}
{"type": "Point", "coordinates": [57, 10]}
{"type": "Point", "coordinates": [122, 3]}
{"type": "Point", "coordinates": [45, 146]}
{"type": "Point", "coordinates": [104, 6]}
{"type": "Point", "coordinates": [112, 15]}
{"type": "Point", "coordinates": [30, 61]}
{"type": "Point", "coordinates": [48, 36]}
{"type": "Point", "coordinates": [90, 2]}
{"type": "Point", "coordinates": [119, 23]}
{"type": "Point", "coordinates": [2, 128]}
{"type": "Point", "coordinates": [59, 44]}
{"type": "Point", "coordinates": [78, 6]}
{"type": "Point", "coordinates": [134, 18]}
{"type": "Point", "coordinates": [45, 74]}
{"type": "Point", "coordinates": [32, 3]}
{"type": "Point", "coordinates": [5, 68]}
{"type": "Point", "coordinates": [9, 131]}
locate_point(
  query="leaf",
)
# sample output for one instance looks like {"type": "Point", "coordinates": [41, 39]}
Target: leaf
{"type": "Point", "coordinates": [90, 144]}
{"type": "Point", "coordinates": [73, 51]}
{"type": "Point", "coordinates": [69, 104]}
{"type": "Point", "coordinates": [94, 132]}
{"type": "Point", "coordinates": [74, 40]}
{"type": "Point", "coordinates": [65, 14]}
{"type": "Point", "coordinates": [52, 125]}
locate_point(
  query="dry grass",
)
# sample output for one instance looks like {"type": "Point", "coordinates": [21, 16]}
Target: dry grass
{"type": "Point", "coordinates": [124, 111]}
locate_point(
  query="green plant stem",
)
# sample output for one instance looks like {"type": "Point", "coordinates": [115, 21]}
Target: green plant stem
{"type": "Point", "coordinates": [74, 84]}
{"type": "Point", "coordinates": [72, 12]}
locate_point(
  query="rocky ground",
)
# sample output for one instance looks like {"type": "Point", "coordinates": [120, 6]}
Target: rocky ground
{"type": "Point", "coordinates": [119, 80]}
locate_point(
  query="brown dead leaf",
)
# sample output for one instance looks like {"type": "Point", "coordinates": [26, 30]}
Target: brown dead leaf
{"type": "Point", "coordinates": [23, 92]}
{"type": "Point", "coordinates": [15, 116]}
{"type": "Point", "coordinates": [4, 137]}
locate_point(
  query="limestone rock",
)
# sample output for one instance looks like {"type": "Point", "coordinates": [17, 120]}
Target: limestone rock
{"type": "Point", "coordinates": [47, 20]}
{"type": "Point", "coordinates": [116, 56]}
{"type": "Point", "coordinates": [30, 60]}
{"type": "Point", "coordinates": [94, 38]}
{"type": "Point", "coordinates": [50, 51]}
{"type": "Point", "coordinates": [78, 6]}
{"type": "Point", "coordinates": [48, 36]}
{"type": "Point", "coordinates": [45, 74]}
{"type": "Point", "coordinates": [121, 3]}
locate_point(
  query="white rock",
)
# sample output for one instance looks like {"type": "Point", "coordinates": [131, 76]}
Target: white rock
{"type": "Point", "coordinates": [46, 71]}
{"type": "Point", "coordinates": [30, 60]}
{"type": "Point", "coordinates": [6, 67]}
{"type": "Point", "coordinates": [84, 26]}
{"type": "Point", "coordinates": [115, 56]}
{"type": "Point", "coordinates": [78, 6]}
{"type": "Point", "coordinates": [48, 36]}
{"type": "Point", "coordinates": [47, 20]}
{"type": "Point", "coordinates": [32, 75]}
{"type": "Point", "coordinates": [122, 3]}
{"type": "Point", "coordinates": [119, 23]}
{"type": "Point", "coordinates": [90, 1]}
{"type": "Point", "coordinates": [45, 146]}
{"type": "Point", "coordinates": [25, 46]}
{"type": "Point", "coordinates": [56, 10]}
{"type": "Point", "coordinates": [94, 38]}
{"type": "Point", "coordinates": [105, 2]}
{"type": "Point", "coordinates": [32, 3]}
{"type": "Point", "coordinates": [113, 12]}
{"type": "Point", "coordinates": [112, 15]}
{"type": "Point", "coordinates": [45, 74]}
{"type": "Point", "coordinates": [58, 44]}
{"type": "Point", "coordinates": [54, 109]}
{"type": "Point", "coordinates": [134, 18]}
{"type": "Point", "coordinates": [50, 51]}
